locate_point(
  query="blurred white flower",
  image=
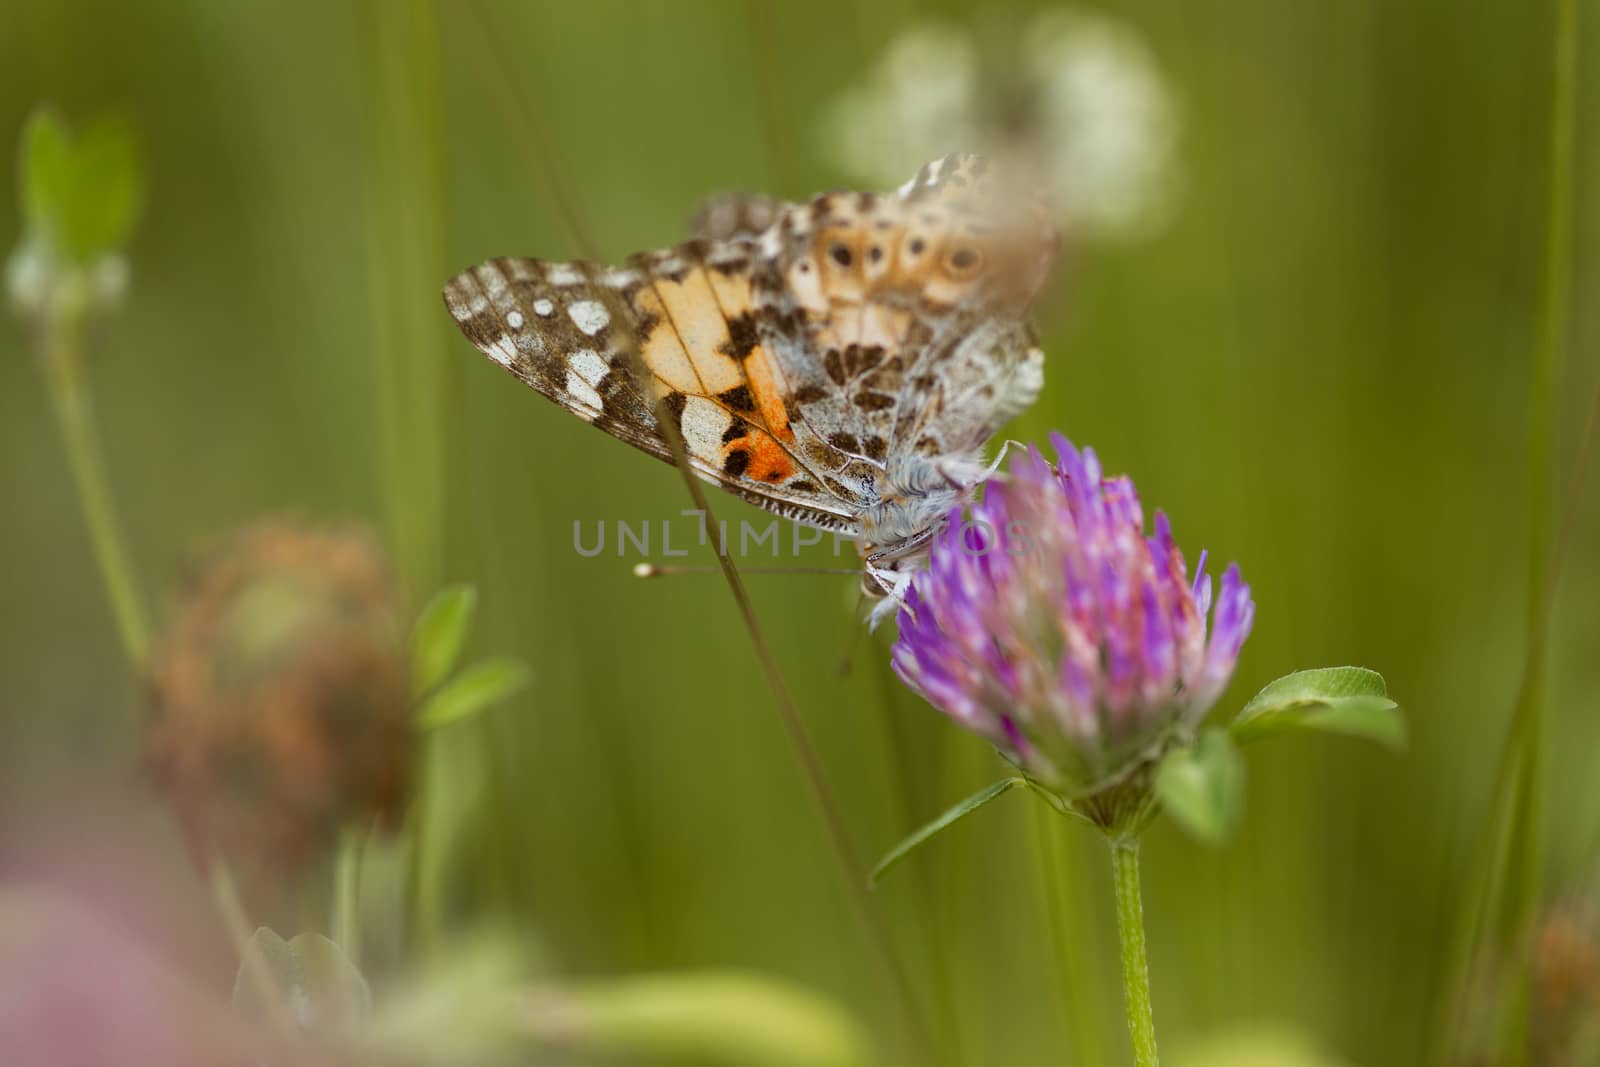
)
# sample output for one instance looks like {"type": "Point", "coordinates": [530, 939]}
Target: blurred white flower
{"type": "Point", "coordinates": [919, 103]}
{"type": "Point", "coordinates": [1106, 123]}
{"type": "Point", "coordinates": [1075, 97]}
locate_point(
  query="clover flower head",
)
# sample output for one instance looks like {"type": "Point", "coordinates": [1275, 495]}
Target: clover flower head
{"type": "Point", "coordinates": [282, 696]}
{"type": "Point", "coordinates": [1049, 622]}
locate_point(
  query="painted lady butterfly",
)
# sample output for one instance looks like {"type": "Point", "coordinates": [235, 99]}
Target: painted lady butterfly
{"type": "Point", "coordinates": [840, 362]}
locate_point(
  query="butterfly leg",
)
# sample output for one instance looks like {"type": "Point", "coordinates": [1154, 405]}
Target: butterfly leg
{"type": "Point", "coordinates": [994, 466]}
{"type": "Point", "coordinates": [962, 474]}
{"type": "Point", "coordinates": [892, 584]}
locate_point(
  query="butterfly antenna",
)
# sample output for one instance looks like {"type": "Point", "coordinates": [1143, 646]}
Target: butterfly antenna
{"type": "Point", "coordinates": [657, 570]}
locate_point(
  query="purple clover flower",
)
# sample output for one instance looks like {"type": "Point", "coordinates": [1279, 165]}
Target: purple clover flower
{"type": "Point", "coordinates": [1050, 624]}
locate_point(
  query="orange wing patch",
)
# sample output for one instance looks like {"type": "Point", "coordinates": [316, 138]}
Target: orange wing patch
{"type": "Point", "coordinates": [700, 342]}
{"type": "Point", "coordinates": [685, 332]}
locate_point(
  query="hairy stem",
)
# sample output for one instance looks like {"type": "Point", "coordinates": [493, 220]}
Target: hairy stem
{"type": "Point", "coordinates": [1135, 968]}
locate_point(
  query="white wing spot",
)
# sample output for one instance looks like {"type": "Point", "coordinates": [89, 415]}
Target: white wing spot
{"type": "Point", "coordinates": [590, 316]}
{"type": "Point", "coordinates": [562, 274]}
{"type": "Point", "coordinates": [480, 304]}
{"type": "Point", "coordinates": [590, 367]}
{"type": "Point", "coordinates": [703, 423]}
{"type": "Point", "coordinates": [542, 306]}
{"type": "Point", "coordinates": [503, 351]}
{"type": "Point", "coordinates": [584, 370]}
{"type": "Point", "coordinates": [585, 394]}
{"type": "Point", "coordinates": [514, 320]}
{"type": "Point", "coordinates": [493, 281]}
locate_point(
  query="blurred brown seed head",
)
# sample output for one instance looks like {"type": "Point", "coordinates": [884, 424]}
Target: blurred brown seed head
{"type": "Point", "coordinates": [1566, 988]}
{"type": "Point", "coordinates": [282, 697]}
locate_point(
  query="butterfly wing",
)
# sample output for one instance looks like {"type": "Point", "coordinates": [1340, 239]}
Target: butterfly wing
{"type": "Point", "coordinates": [731, 215]}
{"type": "Point", "coordinates": [688, 315]}
{"type": "Point", "coordinates": [797, 361]}
{"type": "Point", "coordinates": [901, 320]}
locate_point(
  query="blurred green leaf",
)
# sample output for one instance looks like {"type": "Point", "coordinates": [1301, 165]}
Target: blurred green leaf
{"type": "Point", "coordinates": [1202, 786]}
{"type": "Point", "coordinates": [323, 991]}
{"type": "Point", "coordinates": [460, 1006]}
{"type": "Point", "coordinates": [108, 191]}
{"type": "Point", "coordinates": [473, 690]}
{"type": "Point", "coordinates": [712, 1017]}
{"type": "Point", "coordinates": [439, 634]}
{"type": "Point", "coordinates": [42, 167]}
{"type": "Point", "coordinates": [1345, 700]}
{"type": "Point", "coordinates": [955, 814]}
{"type": "Point", "coordinates": [80, 196]}
{"type": "Point", "coordinates": [1257, 1044]}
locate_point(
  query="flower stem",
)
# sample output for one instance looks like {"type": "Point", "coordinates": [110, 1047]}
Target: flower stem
{"type": "Point", "coordinates": [347, 893]}
{"type": "Point", "coordinates": [63, 358]}
{"type": "Point", "coordinates": [62, 355]}
{"type": "Point", "coordinates": [225, 893]}
{"type": "Point", "coordinates": [1135, 969]}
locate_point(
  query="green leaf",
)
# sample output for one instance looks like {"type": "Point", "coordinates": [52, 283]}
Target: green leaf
{"type": "Point", "coordinates": [473, 690]}
{"type": "Point", "coordinates": [1202, 786]}
{"type": "Point", "coordinates": [1344, 700]}
{"type": "Point", "coordinates": [108, 192]}
{"type": "Point", "coordinates": [80, 196]}
{"type": "Point", "coordinates": [42, 169]}
{"type": "Point", "coordinates": [439, 634]}
{"type": "Point", "coordinates": [720, 1017]}
{"type": "Point", "coordinates": [322, 990]}
{"type": "Point", "coordinates": [954, 815]}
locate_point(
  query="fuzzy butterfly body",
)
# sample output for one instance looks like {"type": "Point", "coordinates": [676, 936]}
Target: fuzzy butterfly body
{"type": "Point", "coordinates": [840, 362]}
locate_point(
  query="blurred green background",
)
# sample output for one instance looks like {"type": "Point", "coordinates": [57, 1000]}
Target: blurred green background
{"type": "Point", "coordinates": [1320, 367]}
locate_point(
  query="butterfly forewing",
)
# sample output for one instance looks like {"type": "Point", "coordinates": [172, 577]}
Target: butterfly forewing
{"type": "Point", "coordinates": [686, 313]}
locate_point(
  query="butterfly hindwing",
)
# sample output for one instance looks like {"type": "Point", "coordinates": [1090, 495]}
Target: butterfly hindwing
{"type": "Point", "coordinates": [904, 315]}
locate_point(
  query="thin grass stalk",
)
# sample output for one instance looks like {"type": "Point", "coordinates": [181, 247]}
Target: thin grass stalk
{"type": "Point", "coordinates": [764, 39]}
{"type": "Point", "coordinates": [1070, 941]}
{"type": "Point", "coordinates": [1501, 920]}
{"type": "Point", "coordinates": [405, 197]}
{"type": "Point", "coordinates": [946, 1003]}
{"type": "Point", "coordinates": [526, 123]}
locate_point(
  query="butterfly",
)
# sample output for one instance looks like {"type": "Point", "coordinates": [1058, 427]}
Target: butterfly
{"type": "Point", "coordinates": [839, 362]}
